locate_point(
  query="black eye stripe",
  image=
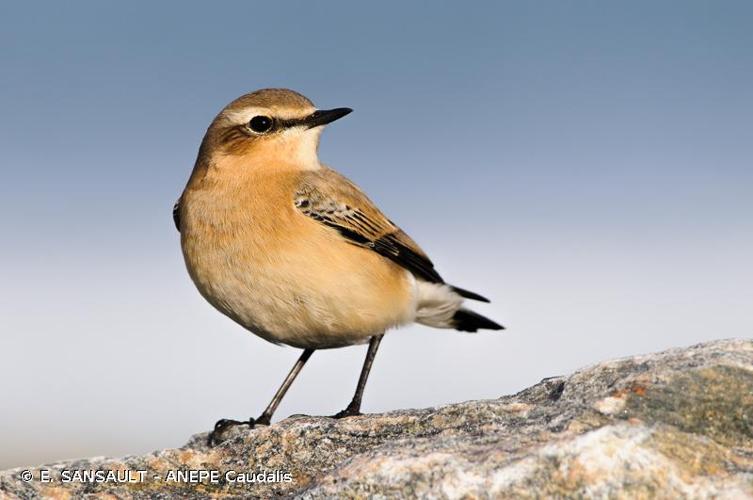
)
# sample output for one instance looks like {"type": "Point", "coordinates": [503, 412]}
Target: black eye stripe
{"type": "Point", "coordinates": [290, 122]}
{"type": "Point", "coordinates": [261, 124]}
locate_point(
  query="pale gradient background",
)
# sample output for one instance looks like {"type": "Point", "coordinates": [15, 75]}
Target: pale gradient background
{"type": "Point", "coordinates": [587, 165]}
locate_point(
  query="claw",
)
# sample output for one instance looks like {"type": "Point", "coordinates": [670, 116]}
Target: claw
{"type": "Point", "coordinates": [222, 425]}
{"type": "Point", "coordinates": [347, 412]}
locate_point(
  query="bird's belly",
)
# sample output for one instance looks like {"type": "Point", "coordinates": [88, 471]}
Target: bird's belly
{"type": "Point", "coordinates": [304, 293]}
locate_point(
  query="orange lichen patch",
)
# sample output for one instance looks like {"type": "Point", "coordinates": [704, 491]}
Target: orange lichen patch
{"type": "Point", "coordinates": [638, 390]}
{"type": "Point", "coordinates": [634, 388]}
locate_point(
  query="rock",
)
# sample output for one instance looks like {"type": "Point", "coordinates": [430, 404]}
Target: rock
{"type": "Point", "coordinates": [673, 424]}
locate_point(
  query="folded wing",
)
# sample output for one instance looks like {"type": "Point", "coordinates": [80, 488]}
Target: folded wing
{"type": "Point", "coordinates": [333, 200]}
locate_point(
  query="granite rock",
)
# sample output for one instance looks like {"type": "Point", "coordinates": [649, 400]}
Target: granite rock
{"type": "Point", "coordinates": [669, 425]}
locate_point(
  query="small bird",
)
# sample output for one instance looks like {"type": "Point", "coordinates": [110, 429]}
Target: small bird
{"type": "Point", "coordinates": [295, 252]}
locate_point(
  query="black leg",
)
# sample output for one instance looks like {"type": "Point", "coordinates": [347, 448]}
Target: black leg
{"type": "Point", "coordinates": [354, 408]}
{"type": "Point", "coordinates": [266, 417]}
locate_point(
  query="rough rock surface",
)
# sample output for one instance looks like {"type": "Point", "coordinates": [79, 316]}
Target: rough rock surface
{"type": "Point", "coordinates": [668, 425]}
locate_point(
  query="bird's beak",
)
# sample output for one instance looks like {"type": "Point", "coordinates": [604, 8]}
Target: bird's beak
{"type": "Point", "coordinates": [325, 116]}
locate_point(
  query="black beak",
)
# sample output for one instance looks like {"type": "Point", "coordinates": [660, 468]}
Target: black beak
{"type": "Point", "coordinates": [325, 116]}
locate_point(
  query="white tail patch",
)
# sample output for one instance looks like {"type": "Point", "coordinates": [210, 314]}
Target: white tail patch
{"type": "Point", "coordinates": [436, 304]}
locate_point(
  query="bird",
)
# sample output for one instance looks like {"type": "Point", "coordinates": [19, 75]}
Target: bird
{"type": "Point", "coordinates": [294, 251]}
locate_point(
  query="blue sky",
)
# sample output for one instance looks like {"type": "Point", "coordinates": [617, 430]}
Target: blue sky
{"type": "Point", "coordinates": [587, 165]}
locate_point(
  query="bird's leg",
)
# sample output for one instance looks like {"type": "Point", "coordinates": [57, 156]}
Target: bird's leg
{"type": "Point", "coordinates": [266, 417]}
{"type": "Point", "coordinates": [354, 408]}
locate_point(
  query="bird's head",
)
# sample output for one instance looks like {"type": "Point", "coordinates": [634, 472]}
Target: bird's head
{"type": "Point", "coordinates": [270, 124]}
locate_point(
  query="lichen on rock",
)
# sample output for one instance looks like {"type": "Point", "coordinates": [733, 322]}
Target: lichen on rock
{"type": "Point", "coordinates": [670, 425]}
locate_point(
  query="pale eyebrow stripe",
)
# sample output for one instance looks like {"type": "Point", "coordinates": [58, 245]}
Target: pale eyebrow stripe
{"type": "Point", "coordinates": [285, 115]}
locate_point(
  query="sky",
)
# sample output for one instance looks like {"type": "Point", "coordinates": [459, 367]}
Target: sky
{"type": "Point", "coordinates": [586, 165]}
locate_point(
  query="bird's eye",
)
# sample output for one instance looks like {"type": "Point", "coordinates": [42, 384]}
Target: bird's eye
{"type": "Point", "coordinates": [260, 124]}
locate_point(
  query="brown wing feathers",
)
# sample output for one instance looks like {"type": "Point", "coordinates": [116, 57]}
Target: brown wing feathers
{"type": "Point", "coordinates": [333, 200]}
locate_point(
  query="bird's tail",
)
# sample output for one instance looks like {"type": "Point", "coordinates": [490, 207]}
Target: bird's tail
{"type": "Point", "coordinates": [440, 306]}
{"type": "Point", "coordinates": [465, 320]}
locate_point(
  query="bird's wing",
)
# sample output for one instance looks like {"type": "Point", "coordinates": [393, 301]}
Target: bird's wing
{"type": "Point", "coordinates": [333, 200]}
{"type": "Point", "coordinates": [176, 214]}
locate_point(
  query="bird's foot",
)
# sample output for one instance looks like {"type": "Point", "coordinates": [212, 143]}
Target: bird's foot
{"type": "Point", "coordinates": [224, 424]}
{"type": "Point", "coordinates": [350, 411]}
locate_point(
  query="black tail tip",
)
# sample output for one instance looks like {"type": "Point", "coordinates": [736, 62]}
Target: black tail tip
{"type": "Point", "coordinates": [466, 320]}
{"type": "Point", "coordinates": [468, 294]}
